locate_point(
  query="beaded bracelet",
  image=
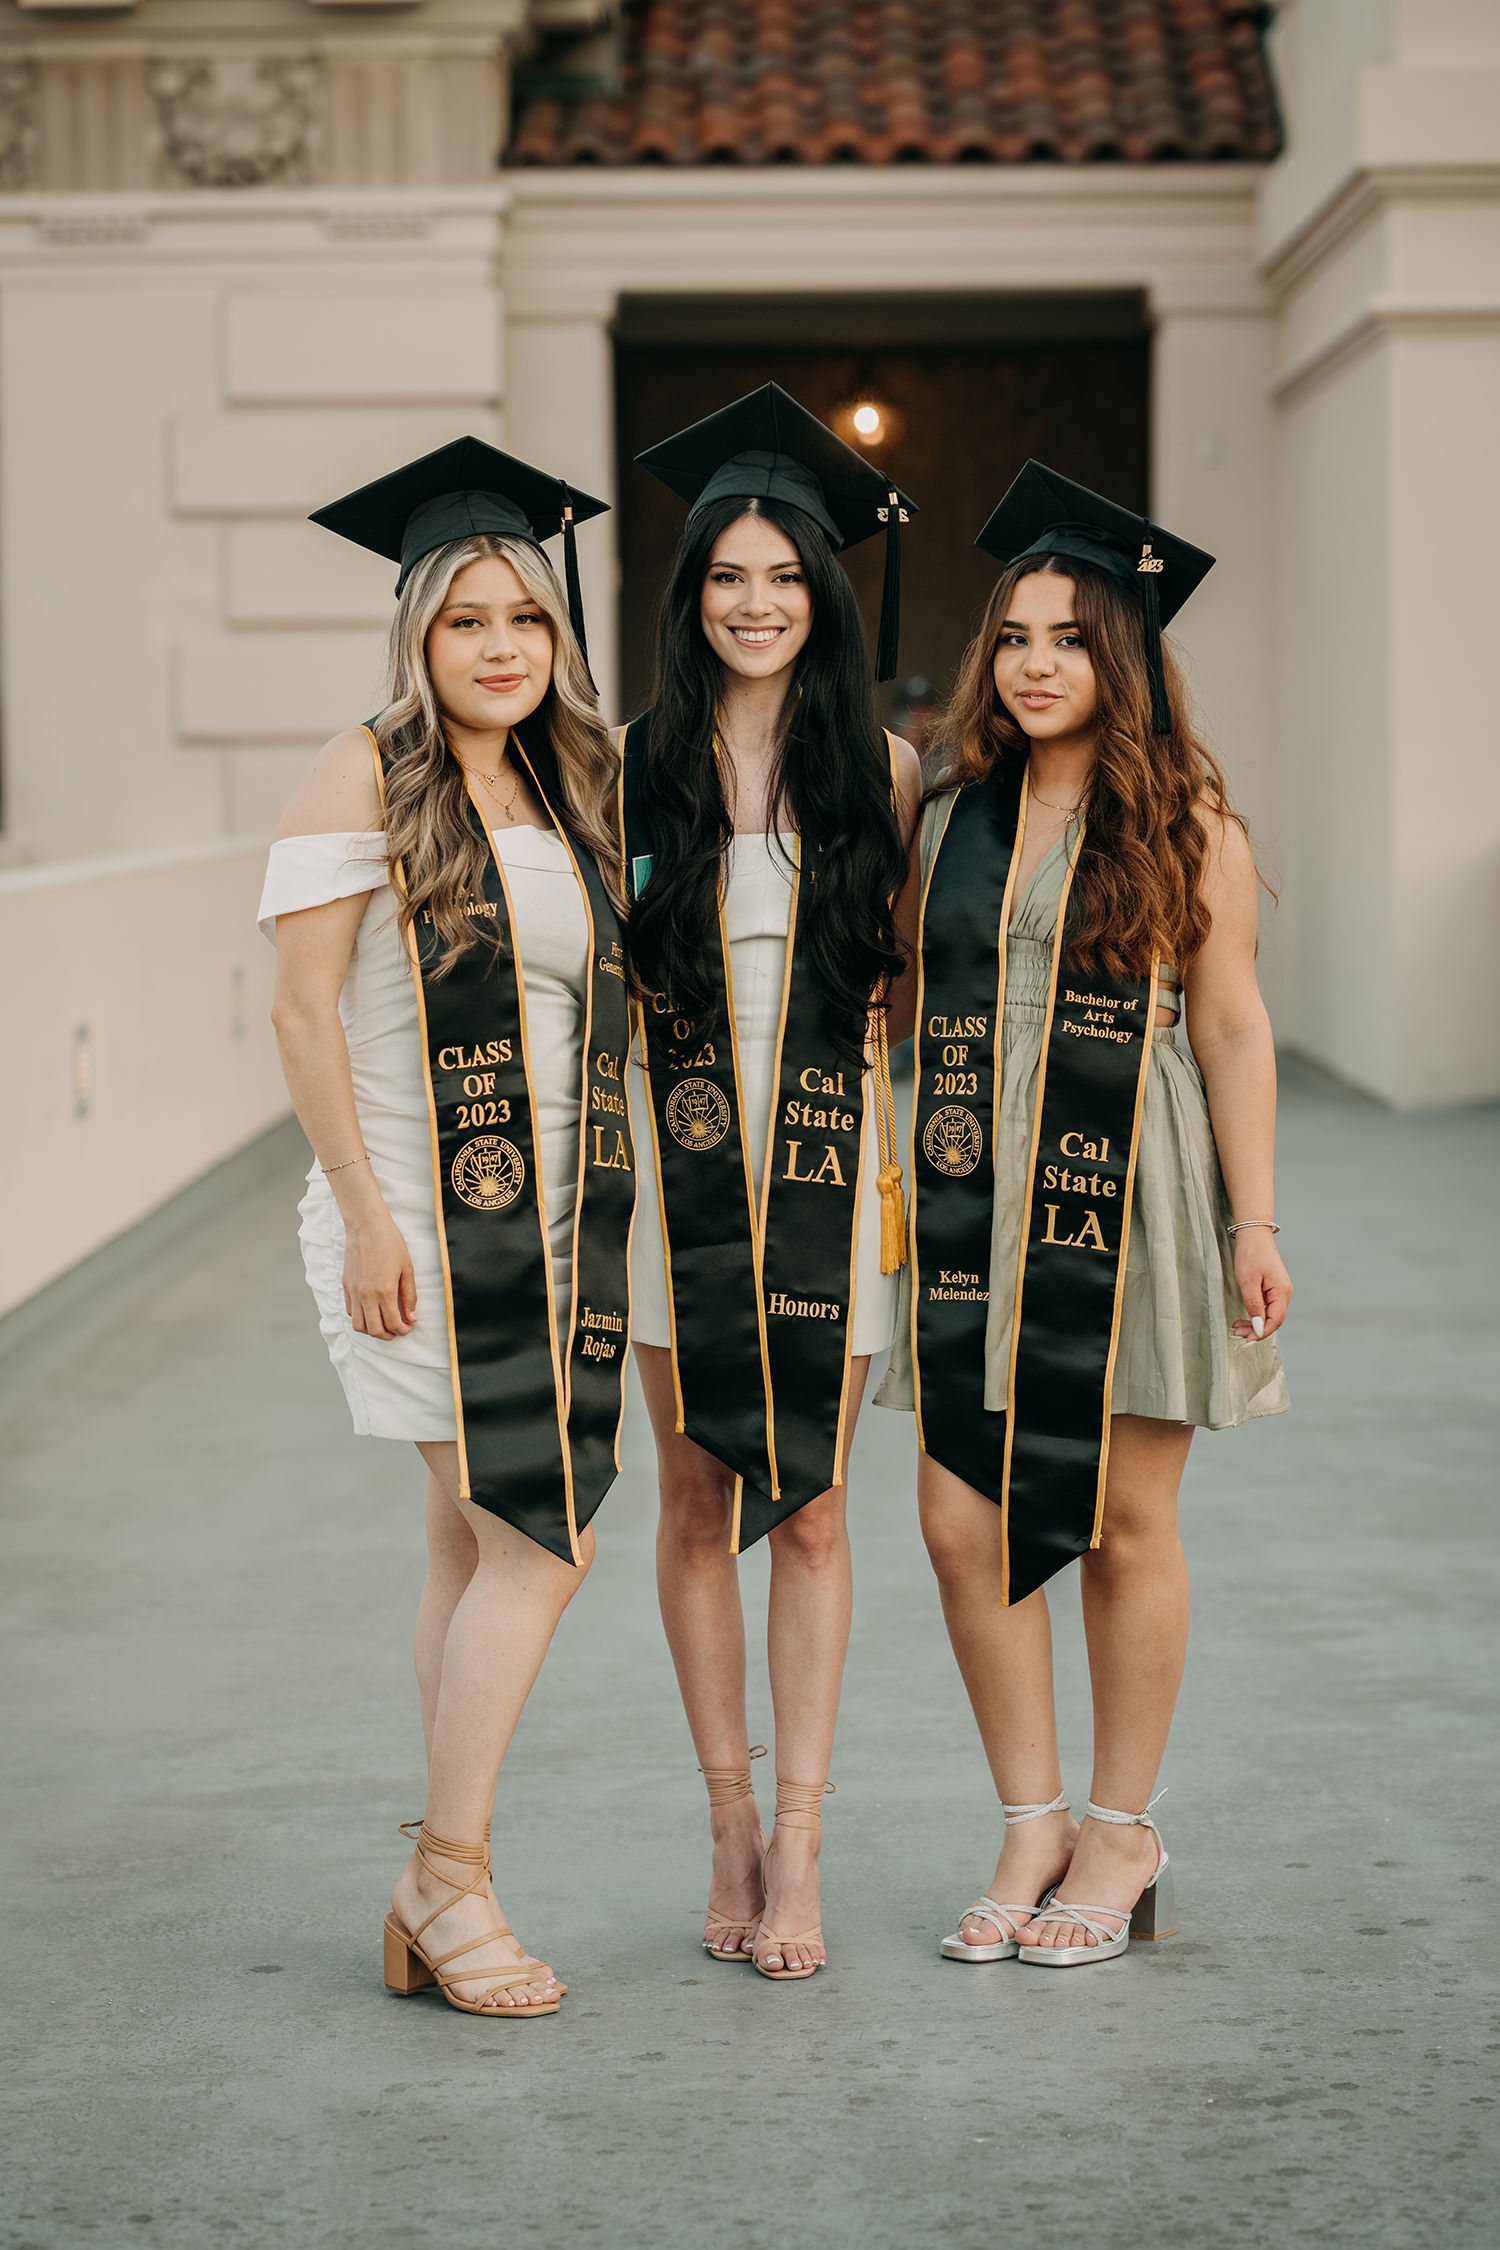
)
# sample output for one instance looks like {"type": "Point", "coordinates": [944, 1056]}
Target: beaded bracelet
{"type": "Point", "coordinates": [1235, 1225]}
{"type": "Point", "coordinates": [362, 1158]}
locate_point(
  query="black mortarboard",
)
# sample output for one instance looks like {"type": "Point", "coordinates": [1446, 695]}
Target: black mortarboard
{"type": "Point", "coordinates": [462, 490]}
{"type": "Point", "coordinates": [767, 447]}
{"type": "Point", "coordinates": [1047, 514]}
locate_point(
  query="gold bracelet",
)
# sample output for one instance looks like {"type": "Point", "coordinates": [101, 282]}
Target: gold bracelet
{"type": "Point", "coordinates": [362, 1158]}
{"type": "Point", "coordinates": [1234, 1225]}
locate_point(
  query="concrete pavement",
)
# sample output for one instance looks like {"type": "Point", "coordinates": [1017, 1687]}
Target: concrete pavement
{"type": "Point", "coordinates": [208, 1596]}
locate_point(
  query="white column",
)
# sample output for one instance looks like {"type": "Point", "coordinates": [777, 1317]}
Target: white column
{"type": "Point", "coordinates": [1381, 238]}
{"type": "Point", "coordinates": [560, 413]}
{"type": "Point", "coordinates": [1211, 482]}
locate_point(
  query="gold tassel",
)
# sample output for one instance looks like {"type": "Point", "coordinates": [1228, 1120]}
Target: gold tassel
{"type": "Point", "coordinates": [892, 1219]}
{"type": "Point", "coordinates": [888, 1178]}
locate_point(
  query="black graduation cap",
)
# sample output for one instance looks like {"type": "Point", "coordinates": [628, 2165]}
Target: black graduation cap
{"type": "Point", "coordinates": [1047, 514]}
{"type": "Point", "coordinates": [461, 490]}
{"type": "Point", "coordinates": [767, 447]}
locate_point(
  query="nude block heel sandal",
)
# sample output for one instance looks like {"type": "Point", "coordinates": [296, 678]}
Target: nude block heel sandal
{"type": "Point", "coordinates": [409, 1967]}
{"type": "Point", "coordinates": [957, 1947]}
{"type": "Point", "coordinates": [411, 1830]}
{"type": "Point", "coordinates": [1154, 1914]}
{"type": "Point", "coordinates": [723, 1940]}
{"type": "Point", "coordinates": [800, 1805]}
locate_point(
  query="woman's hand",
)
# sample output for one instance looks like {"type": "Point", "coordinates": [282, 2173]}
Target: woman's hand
{"type": "Point", "coordinates": [1264, 1284]}
{"type": "Point", "coordinates": [380, 1289]}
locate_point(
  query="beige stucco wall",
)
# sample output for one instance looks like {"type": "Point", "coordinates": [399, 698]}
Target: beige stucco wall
{"type": "Point", "coordinates": [141, 1034]}
{"type": "Point", "coordinates": [179, 385]}
{"type": "Point", "coordinates": [1380, 244]}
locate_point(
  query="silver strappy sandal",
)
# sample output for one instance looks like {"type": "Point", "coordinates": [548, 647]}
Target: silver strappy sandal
{"type": "Point", "coordinates": [1154, 1914]}
{"type": "Point", "coordinates": [957, 1947]}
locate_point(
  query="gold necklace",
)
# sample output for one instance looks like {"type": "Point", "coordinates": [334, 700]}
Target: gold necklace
{"type": "Point", "coordinates": [492, 783]}
{"type": "Point", "coordinates": [1070, 810]}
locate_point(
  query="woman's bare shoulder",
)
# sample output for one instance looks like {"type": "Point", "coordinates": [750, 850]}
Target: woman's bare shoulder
{"type": "Point", "coordinates": [339, 791]}
{"type": "Point", "coordinates": [1227, 838]}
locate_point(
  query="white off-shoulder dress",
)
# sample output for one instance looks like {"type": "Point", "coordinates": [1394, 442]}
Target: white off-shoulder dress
{"type": "Point", "coordinates": [403, 1388]}
{"type": "Point", "coordinates": [757, 915]}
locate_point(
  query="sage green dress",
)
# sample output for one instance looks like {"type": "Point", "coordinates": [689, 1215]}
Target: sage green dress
{"type": "Point", "coordinates": [1179, 1359]}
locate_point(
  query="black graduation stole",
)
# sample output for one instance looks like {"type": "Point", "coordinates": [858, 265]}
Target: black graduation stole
{"type": "Point", "coordinates": [1043, 1460]}
{"type": "Point", "coordinates": [538, 1401]}
{"type": "Point", "coordinates": [761, 1300]}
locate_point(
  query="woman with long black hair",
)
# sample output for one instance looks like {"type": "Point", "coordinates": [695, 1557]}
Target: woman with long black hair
{"type": "Point", "coordinates": [766, 823]}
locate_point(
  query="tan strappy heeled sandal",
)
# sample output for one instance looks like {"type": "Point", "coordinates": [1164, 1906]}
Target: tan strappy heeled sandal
{"type": "Point", "coordinates": [723, 1940]}
{"type": "Point", "coordinates": [409, 1967]}
{"type": "Point", "coordinates": [800, 1805]}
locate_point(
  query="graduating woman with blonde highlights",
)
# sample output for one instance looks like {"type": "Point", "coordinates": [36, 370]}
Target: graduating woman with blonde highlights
{"type": "Point", "coordinates": [452, 1016]}
{"type": "Point", "coordinates": [1094, 1271]}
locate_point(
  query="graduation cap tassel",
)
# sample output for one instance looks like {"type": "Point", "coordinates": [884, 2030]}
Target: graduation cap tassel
{"type": "Point", "coordinates": [1149, 569]}
{"type": "Point", "coordinates": [887, 645]}
{"type": "Point", "coordinates": [570, 573]}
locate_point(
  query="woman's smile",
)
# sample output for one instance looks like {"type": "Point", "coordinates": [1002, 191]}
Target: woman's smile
{"type": "Point", "coordinates": [755, 569]}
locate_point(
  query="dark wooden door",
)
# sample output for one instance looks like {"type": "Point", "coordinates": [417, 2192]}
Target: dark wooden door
{"type": "Point", "coordinates": [959, 420]}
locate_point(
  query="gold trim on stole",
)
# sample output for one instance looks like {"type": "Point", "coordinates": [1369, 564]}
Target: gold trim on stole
{"type": "Point", "coordinates": [1096, 1537]}
{"type": "Point", "coordinates": [1002, 948]}
{"type": "Point", "coordinates": [635, 1157]}
{"type": "Point", "coordinates": [911, 1164]}
{"type": "Point", "coordinates": [583, 1127]}
{"type": "Point", "coordinates": [757, 1240]}
{"type": "Point", "coordinates": [871, 1068]}
{"type": "Point", "coordinates": [1036, 1139]}
{"type": "Point", "coordinates": [399, 883]}
{"type": "Point", "coordinates": [559, 1372]}
{"type": "Point", "coordinates": [679, 1410]}
{"type": "Point", "coordinates": [839, 1477]}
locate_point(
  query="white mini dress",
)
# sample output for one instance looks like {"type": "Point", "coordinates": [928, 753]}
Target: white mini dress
{"type": "Point", "coordinates": [403, 1388]}
{"type": "Point", "coordinates": [757, 915]}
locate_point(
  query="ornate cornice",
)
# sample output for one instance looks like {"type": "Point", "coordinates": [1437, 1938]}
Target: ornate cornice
{"type": "Point", "coordinates": [254, 94]}
{"type": "Point", "coordinates": [18, 123]}
{"type": "Point", "coordinates": [239, 123]}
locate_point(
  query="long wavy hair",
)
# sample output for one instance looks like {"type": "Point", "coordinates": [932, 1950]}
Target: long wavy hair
{"type": "Point", "coordinates": [428, 824]}
{"type": "Point", "coordinates": [830, 780]}
{"type": "Point", "coordinates": [1139, 879]}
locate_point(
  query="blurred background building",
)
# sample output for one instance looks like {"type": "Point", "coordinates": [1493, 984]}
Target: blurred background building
{"type": "Point", "coordinates": [1236, 263]}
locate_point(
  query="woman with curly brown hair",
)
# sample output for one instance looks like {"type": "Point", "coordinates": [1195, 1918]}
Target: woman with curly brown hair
{"type": "Point", "coordinates": [1093, 1262]}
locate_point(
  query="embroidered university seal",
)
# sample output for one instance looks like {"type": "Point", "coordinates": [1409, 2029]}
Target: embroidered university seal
{"type": "Point", "coordinates": [697, 1114]}
{"type": "Point", "coordinates": [488, 1172]}
{"type": "Point", "coordinates": [952, 1142]}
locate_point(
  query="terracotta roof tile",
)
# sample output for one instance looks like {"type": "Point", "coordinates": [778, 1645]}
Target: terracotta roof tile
{"type": "Point", "coordinates": [937, 81]}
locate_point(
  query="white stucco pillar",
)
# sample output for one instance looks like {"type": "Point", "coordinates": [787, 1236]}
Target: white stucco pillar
{"type": "Point", "coordinates": [1381, 241]}
{"type": "Point", "coordinates": [1211, 482]}
{"type": "Point", "coordinates": [560, 413]}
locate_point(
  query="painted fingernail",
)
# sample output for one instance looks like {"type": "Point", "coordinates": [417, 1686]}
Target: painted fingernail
{"type": "Point", "coordinates": [1258, 1324]}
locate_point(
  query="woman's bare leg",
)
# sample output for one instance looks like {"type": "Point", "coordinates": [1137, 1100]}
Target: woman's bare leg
{"type": "Point", "coordinates": [697, 1581]}
{"type": "Point", "coordinates": [498, 1634]}
{"type": "Point", "coordinates": [807, 1638]}
{"type": "Point", "coordinates": [1135, 1616]}
{"type": "Point", "coordinates": [1005, 1657]}
{"type": "Point", "coordinates": [452, 1552]}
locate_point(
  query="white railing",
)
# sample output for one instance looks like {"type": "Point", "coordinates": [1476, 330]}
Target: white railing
{"type": "Point", "coordinates": [135, 998]}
